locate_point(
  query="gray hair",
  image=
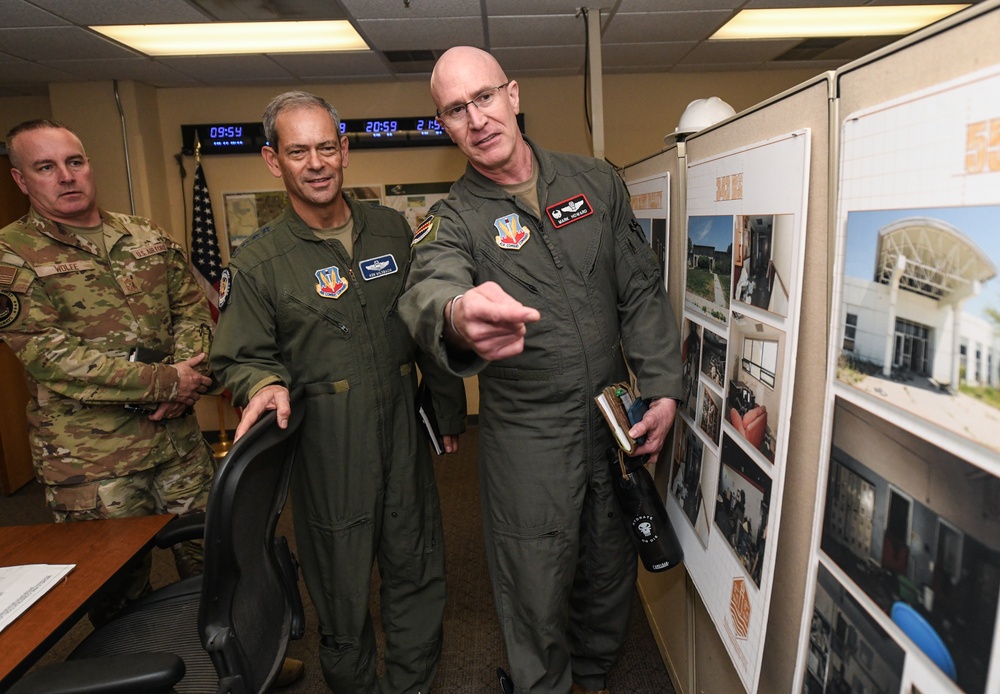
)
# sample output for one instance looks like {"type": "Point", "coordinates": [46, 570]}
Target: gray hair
{"type": "Point", "coordinates": [36, 124]}
{"type": "Point", "coordinates": [290, 100]}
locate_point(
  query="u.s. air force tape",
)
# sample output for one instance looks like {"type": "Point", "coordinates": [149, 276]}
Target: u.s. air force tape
{"type": "Point", "coordinates": [10, 308]}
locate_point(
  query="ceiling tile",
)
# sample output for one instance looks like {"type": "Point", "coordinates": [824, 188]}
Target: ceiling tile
{"type": "Point", "coordinates": [17, 13]}
{"type": "Point", "coordinates": [500, 8]}
{"type": "Point", "coordinates": [679, 5]}
{"type": "Point", "coordinates": [738, 51]}
{"type": "Point", "coordinates": [549, 30]}
{"type": "Point", "coordinates": [25, 72]}
{"type": "Point", "coordinates": [639, 55]}
{"type": "Point", "coordinates": [326, 65]}
{"type": "Point", "coordinates": [59, 43]}
{"type": "Point", "coordinates": [648, 27]}
{"type": "Point", "coordinates": [515, 61]}
{"type": "Point", "coordinates": [138, 69]}
{"type": "Point", "coordinates": [228, 69]}
{"type": "Point", "coordinates": [418, 9]}
{"type": "Point", "coordinates": [410, 34]}
{"type": "Point", "coordinates": [123, 11]}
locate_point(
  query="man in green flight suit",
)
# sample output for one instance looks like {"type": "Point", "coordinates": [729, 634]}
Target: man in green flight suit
{"type": "Point", "coordinates": [534, 274]}
{"type": "Point", "coordinates": [79, 288]}
{"type": "Point", "coordinates": [309, 305]}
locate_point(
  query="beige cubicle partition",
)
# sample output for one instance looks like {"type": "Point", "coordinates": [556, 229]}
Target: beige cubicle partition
{"type": "Point", "coordinates": [918, 185]}
{"type": "Point", "coordinates": [693, 647]}
{"type": "Point", "coordinates": [666, 596]}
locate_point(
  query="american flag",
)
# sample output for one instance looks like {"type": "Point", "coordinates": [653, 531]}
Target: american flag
{"type": "Point", "coordinates": [205, 254]}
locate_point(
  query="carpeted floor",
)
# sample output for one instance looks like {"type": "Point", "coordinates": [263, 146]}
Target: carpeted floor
{"type": "Point", "coordinates": [472, 646]}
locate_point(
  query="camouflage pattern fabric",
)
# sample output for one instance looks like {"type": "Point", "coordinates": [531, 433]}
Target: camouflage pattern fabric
{"type": "Point", "coordinates": [71, 314]}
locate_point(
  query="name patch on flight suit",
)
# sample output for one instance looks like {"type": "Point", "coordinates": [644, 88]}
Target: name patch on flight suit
{"type": "Point", "coordinates": [225, 284]}
{"type": "Point", "coordinates": [381, 266]}
{"type": "Point", "coordinates": [569, 210]}
{"type": "Point", "coordinates": [10, 308]}
{"type": "Point", "coordinates": [331, 285]}
{"type": "Point", "coordinates": [512, 234]}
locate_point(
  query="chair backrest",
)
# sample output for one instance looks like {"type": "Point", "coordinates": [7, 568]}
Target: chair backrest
{"type": "Point", "coordinates": [924, 636]}
{"type": "Point", "coordinates": [250, 604]}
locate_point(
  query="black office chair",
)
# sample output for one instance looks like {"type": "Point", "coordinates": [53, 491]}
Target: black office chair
{"type": "Point", "coordinates": [225, 631]}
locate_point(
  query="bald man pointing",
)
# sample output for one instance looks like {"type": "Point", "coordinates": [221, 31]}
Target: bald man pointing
{"type": "Point", "coordinates": [535, 275]}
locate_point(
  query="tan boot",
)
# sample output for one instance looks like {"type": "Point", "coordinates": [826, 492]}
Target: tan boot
{"type": "Point", "coordinates": [577, 689]}
{"type": "Point", "coordinates": [291, 672]}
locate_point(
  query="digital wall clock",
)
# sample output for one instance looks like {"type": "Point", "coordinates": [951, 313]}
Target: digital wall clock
{"type": "Point", "coordinates": [362, 133]}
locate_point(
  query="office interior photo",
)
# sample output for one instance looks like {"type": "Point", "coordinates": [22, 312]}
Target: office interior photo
{"type": "Point", "coordinates": [807, 201]}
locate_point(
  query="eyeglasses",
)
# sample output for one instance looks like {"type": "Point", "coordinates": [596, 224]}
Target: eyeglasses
{"type": "Point", "coordinates": [457, 114]}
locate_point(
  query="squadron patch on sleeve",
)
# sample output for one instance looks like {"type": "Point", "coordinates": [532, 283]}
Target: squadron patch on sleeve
{"type": "Point", "coordinates": [10, 308]}
{"type": "Point", "coordinates": [225, 285]}
{"type": "Point", "coordinates": [427, 230]}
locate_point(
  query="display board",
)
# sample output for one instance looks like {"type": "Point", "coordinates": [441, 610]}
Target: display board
{"type": "Point", "coordinates": [906, 575]}
{"type": "Point", "coordinates": [743, 270]}
{"type": "Point", "coordinates": [650, 198]}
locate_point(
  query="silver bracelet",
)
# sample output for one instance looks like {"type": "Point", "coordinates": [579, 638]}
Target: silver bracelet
{"type": "Point", "coordinates": [451, 314]}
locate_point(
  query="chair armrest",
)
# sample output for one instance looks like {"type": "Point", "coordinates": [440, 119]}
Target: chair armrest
{"type": "Point", "coordinates": [189, 527]}
{"type": "Point", "coordinates": [151, 673]}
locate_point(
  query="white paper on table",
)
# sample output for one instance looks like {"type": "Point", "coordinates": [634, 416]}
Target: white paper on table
{"type": "Point", "coordinates": [21, 586]}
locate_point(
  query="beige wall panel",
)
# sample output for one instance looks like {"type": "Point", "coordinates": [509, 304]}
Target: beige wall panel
{"type": "Point", "coordinates": [16, 109]}
{"type": "Point", "coordinates": [926, 59]}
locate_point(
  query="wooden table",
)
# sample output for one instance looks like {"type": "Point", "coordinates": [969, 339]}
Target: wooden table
{"type": "Point", "coordinates": [100, 549]}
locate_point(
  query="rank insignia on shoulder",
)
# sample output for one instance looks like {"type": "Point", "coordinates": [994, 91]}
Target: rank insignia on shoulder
{"type": "Point", "coordinates": [225, 287]}
{"type": "Point", "coordinates": [10, 308]}
{"type": "Point", "coordinates": [512, 234]}
{"type": "Point", "coordinates": [331, 285]}
{"type": "Point", "coordinates": [427, 229]}
{"type": "Point", "coordinates": [569, 210]}
{"type": "Point", "coordinates": [378, 267]}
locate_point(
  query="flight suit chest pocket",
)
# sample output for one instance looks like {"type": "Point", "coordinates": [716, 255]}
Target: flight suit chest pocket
{"type": "Point", "coordinates": [300, 317]}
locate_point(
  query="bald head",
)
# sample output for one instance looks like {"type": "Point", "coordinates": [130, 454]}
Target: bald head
{"type": "Point", "coordinates": [464, 65]}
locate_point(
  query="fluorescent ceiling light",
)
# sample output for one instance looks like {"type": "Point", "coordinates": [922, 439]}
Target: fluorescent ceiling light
{"type": "Point", "coordinates": [222, 38]}
{"type": "Point", "coordinates": [832, 21]}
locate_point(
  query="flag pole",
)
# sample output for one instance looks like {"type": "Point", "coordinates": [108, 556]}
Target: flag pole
{"type": "Point", "coordinates": [222, 446]}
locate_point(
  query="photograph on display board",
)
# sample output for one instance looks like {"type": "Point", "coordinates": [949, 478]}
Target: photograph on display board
{"type": "Point", "coordinates": [848, 650]}
{"type": "Point", "coordinates": [917, 529]}
{"type": "Point", "coordinates": [753, 401]}
{"type": "Point", "coordinates": [762, 261]}
{"type": "Point", "coordinates": [655, 231]}
{"type": "Point", "coordinates": [741, 506]}
{"type": "Point", "coordinates": [364, 193]}
{"type": "Point", "coordinates": [713, 358]}
{"type": "Point", "coordinates": [245, 213]}
{"type": "Point", "coordinates": [709, 266]}
{"type": "Point", "coordinates": [921, 315]}
{"type": "Point", "coordinates": [650, 201]}
{"type": "Point", "coordinates": [690, 356]}
{"type": "Point", "coordinates": [710, 413]}
{"type": "Point", "coordinates": [414, 200]}
{"type": "Point", "coordinates": [691, 477]}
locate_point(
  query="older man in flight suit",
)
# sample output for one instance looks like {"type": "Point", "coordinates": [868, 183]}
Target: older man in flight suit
{"type": "Point", "coordinates": [534, 274]}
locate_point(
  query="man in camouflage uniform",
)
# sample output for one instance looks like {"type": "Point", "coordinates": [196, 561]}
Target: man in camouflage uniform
{"type": "Point", "coordinates": [79, 288]}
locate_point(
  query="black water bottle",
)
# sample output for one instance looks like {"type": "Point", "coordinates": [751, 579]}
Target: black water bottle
{"type": "Point", "coordinates": [649, 526]}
